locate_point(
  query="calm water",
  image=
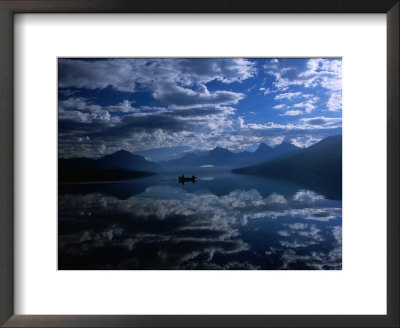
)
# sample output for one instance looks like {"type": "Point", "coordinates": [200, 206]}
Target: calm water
{"type": "Point", "coordinates": [223, 221]}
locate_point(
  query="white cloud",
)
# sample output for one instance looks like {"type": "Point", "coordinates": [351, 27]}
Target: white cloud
{"type": "Point", "coordinates": [305, 141]}
{"type": "Point", "coordinates": [274, 141]}
{"type": "Point", "coordinates": [129, 74]}
{"type": "Point", "coordinates": [293, 244]}
{"type": "Point", "coordinates": [337, 233]}
{"type": "Point", "coordinates": [307, 196]}
{"type": "Point", "coordinates": [326, 73]}
{"type": "Point", "coordinates": [240, 122]}
{"type": "Point", "coordinates": [335, 102]}
{"type": "Point", "coordinates": [292, 113]}
{"type": "Point", "coordinates": [287, 95]}
{"type": "Point", "coordinates": [82, 110]}
{"type": "Point", "coordinates": [123, 107]}
{"type": "Point", "coordinates": [267, 91]}
{"type": "Point", "coordinates": [276, 198]}
{"type": "Point", "coordinates": [297, 226]}
{"type": "Point", "coordinates": [322, 121]}
{"type": "Point", "coordinates": [177, 97]}
{"type": "Point", "coordinates": [308, 105]}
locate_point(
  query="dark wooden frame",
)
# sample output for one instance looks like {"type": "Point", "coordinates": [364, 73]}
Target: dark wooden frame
{"type": "Point", "coordinates": [7, 10]}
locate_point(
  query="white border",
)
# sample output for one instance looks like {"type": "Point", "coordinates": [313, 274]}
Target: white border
{"type": "Point", "coordinates": [360, 288]}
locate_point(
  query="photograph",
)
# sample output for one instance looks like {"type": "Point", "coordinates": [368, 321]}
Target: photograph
{"type": "Point", "coordinates": [209, 163]}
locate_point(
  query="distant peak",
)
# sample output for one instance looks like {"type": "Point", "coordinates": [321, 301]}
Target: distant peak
{"type": "Point", "coordinates": [330, 139]}
{"type": "Point", "coordinates": [122, 151]}
{"type": "Point", "coordinates": [263, 146]}
{"type": "Point", "coordinates": [335, 137]}
{"type": "Point", "coordinates": [220, 149]}
{"type": "Point", "coordinates": [285, 144]}
{"type": "Point", "coordinates": [121, 154]}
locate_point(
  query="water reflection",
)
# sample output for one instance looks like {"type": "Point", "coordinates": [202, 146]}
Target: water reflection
{"type": "Point", "coordinates": [228, 222]}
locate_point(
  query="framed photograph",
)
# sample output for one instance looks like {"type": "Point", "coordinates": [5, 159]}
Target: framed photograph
{"type": "Point", "coordinates": [199, 164]}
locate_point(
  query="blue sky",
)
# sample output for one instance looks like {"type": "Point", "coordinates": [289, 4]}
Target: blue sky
{"type": "Point", "coordinates": [196, 103]}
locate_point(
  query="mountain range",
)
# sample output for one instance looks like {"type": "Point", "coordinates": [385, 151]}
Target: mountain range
{"type": "Point", "coordinates": [117, 166]}
{"type": "Point", "coordinates": [318, 167]}
{"type": "Point", "coordinates": [124, 160]}
{"type": "Point", "coordinates": [222, 157]}
{"type": "Point", "coordinates": [163, 153]}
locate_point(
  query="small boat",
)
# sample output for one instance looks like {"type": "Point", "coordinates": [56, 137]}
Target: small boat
{"type": "Point", "coordinates": [182, 179]}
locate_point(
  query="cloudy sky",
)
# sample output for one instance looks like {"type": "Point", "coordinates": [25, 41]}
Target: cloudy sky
{"type": "Point", "coordinates": [195, 104]}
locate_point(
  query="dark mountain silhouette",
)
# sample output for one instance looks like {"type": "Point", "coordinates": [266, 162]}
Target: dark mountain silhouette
{"type": "Point", "coordinates": [265, 152]}
{"type": "Point", "coordinates": [198, 152]}
{"type": "Point", "coordinates": [221, 157]}
{"type": "Point", "coordinates": [217, 156]}
{"type": "Point", "coordinates": [318, 167]}
{"type": "Point", "coordinates": [187, 160]}
{"type": "Point", "coordinates": [263, 148]}
{"type": "Point", "coordinates": [125, 160]}
{"type": "Point", "coordinates": [163, 153]}
{"type": "Point", "coordinates": [120, 165]}
{"type": "Point", "coordinates": [284, 148]}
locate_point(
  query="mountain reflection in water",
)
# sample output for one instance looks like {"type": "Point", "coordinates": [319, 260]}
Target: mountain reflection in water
{"type": "Point", "coordinates": [227, 222]}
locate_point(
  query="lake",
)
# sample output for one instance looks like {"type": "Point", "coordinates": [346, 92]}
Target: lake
{"type": "Point", "coordinates": [222, 221]}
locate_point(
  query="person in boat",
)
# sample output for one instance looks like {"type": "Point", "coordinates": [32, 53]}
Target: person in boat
{"type": "Point", "coordinates": [193, 177]}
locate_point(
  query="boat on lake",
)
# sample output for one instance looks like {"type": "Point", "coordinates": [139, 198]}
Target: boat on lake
{"type": "Point", "coordinates": [182, 179]}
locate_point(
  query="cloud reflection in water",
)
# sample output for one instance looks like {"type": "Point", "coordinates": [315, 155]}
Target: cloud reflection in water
{"type": "Point", "coordinates": [168, 227]}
